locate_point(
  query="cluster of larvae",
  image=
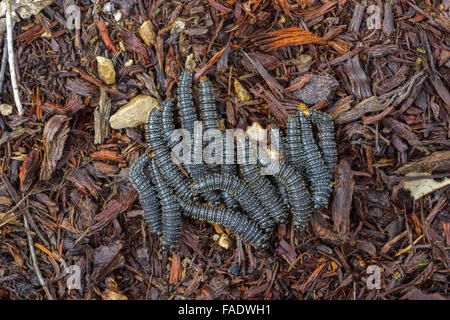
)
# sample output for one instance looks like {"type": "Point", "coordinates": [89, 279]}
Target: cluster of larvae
{"type": "Point", "coordinates": [296, 179]}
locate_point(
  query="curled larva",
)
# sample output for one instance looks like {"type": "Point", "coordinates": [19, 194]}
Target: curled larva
{"type": "Point", "coordinates": [261, 185]}
{"type": "Point", "coordinates": [171, 217]}
{"type": "Point", "coordinates": [237, 222]}
{"type": "Point", "coordinates": [325, 134]}
{"type": "Point", "coordinates": [294, 145]}
{"type": "Point", "coordinates": [299, 197]}
{"type": "Point", "coordinates": [240, 190]}
{"type": "Point", "coordinates": [147, 195]}
{"type": "Point", "coordinates": [317, 173]}
{"type": "Point", "coordinates": [169, 170]}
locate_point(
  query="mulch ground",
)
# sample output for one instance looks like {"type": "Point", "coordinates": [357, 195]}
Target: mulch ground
{"type": "Point", "coordinates": [70, 198]}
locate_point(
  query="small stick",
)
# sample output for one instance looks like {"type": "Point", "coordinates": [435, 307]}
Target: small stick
{"type": "Point", "coordinates": [15, 196]}
{"type": "Point", "coordinates": [3, 68]}
{"type": "Point", "coordinates": [35, 261]}
{"type": "Point", "coordinates": [12, 66]}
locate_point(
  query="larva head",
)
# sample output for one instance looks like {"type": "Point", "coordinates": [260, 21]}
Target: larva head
{"type": "Point", "coordinates": [304, 110]}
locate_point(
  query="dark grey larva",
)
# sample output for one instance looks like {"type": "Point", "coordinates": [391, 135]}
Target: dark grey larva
{"type": "Point", "coordinates": [208, 105]}
{"type": "Point", "coordinates": [188, 117]}
{"type": "Point", "coordinates": [229, 159]}
{"type": "Point", "coordinates": [171, 217]}
{"type": "Point", "coordinates": [325, 134]}
{"type": "Point", "coordinates": [198, 171]}
{"type": "Point", "coordinates": [261, 185]}
{"type": "Point", "coordinates": [282, 157]}
{"type": "Point", "coordinates": [294, 146]}
{"type": "Point", "coordinates": [167, 125]}
{"type": "Point", "coordinates": [299, 197]}
{"type": "Point", "coordinates": [185, 101]}
{"type": "Point", "coordinates": [208, 111]}
{"type": "Point", "coordinates": [210, 121]}
{"type": "Point", "coordinates": [317, 173]}
{"type": "Point", "coordinates": [240, 190]}
{"type": "Point", "coordinates": [169, 170]}
{"type": "Point", "coordinates": [147, 195]}
{"type": "Point", "coordinates": [238, 223]}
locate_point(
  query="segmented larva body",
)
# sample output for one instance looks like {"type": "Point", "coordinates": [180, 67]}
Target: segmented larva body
{"type": "Point", "coordinates": [169, 170]}
{"type": "Point", "coordinates": [198, 171]}
{"type": "Point", "coordinates": [210, 121]}
{"type": "Point", "coordinates": [167, 125]}
{"type": "Point", "coordinates": [207, 105]}
{"type": "Point", "coordinates": [171, 217]}
{"type": "Point", "coordinates": [147, 195]}
{"type": "Point", "coordinates": [188, 117]}
{"type": "Point", "coordinates": [240, 190]}
{"type": "Point", "coordinates": [294, 145]}
{"type": "Point", "coordinates": [262, 187]}
{"type": "Point", "coordinates": [325, 134]}
{"type": "Point", "coordinates": [237, 222]}
{"type": "Point", "coordinates": [299, 197]}
{"type": "Point", "coordinates": [185, 101]}
{"type": "Point", "coordinates": [317, 173]}
{"type": "Point", "coordinates": [208, 110]}
{"type": "Point", "coordinates": [279, 184]}
{"type": "Point", "coordinates": [229, 167]}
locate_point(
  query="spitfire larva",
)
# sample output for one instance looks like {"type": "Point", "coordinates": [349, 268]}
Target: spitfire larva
{"type": "Point", "coordinates": [210, 121]}
{"type": "Point", "coordinates": [171, 219]}
{"type": "Point", "coordinates": [237, 188]}
{"type": "Point", "coordinates": [185, 101]}
{"type": "Point", "coordinates": [318, 176]}
{"type": "Point", "coordinates": [167, 125]}
{"type": "Point", "coordinates": [188, 118]}
{"type": "Point", "coordinates": [168, 169]}
{"type": "Point", "coordinates": [325, 134]}
{"type": "Point", "coordinates": [238, 223]}
{"type": "Point", "coordinates": [207, 105]}
{"type": "Point", "coordinates": [147, 195]}
{"type": "Point", "coordinates": [282, 157]}
{"type": "Point", "coordinates": [299, 197]}
{"type": "Point", "coordinates": [261, 186]}
{"type": "Point", "coordinates": [294, 145]}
